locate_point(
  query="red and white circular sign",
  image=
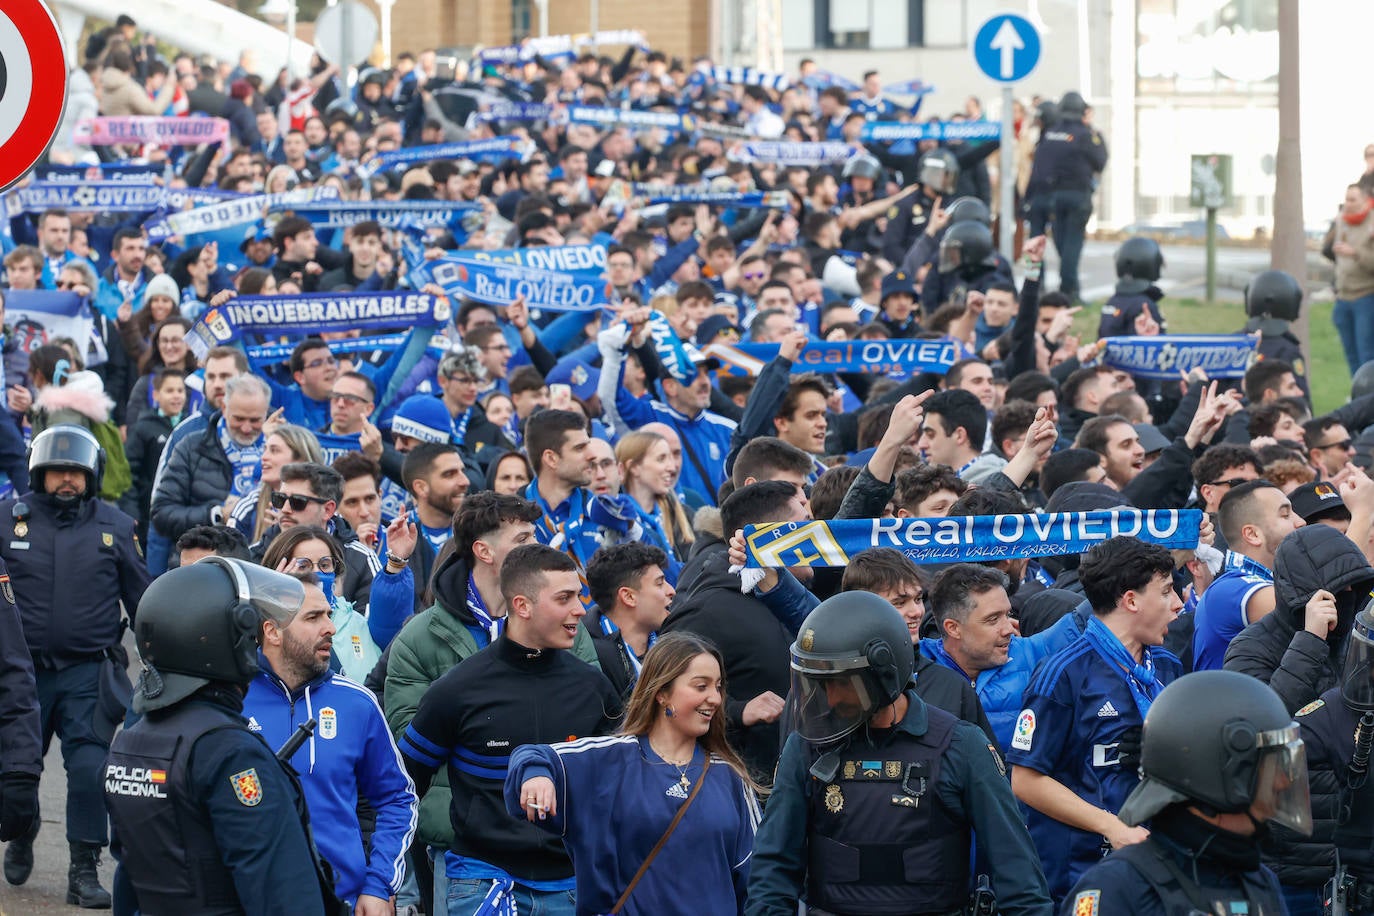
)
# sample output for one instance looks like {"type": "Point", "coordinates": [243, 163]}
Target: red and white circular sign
{"type": "Point", "coordinates": [33, 85]}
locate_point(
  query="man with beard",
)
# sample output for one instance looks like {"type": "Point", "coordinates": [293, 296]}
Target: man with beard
{"type": "Point", "coordinates": [1076, 747]}
{"type": "Point", "coordinates": [433, 474]}
{"type": "Point", "coordinates": [560, 450]}
{"type": "Point", "coordinates": [72, 624]}
{"type": "Point", "coordinates": [335, 774]}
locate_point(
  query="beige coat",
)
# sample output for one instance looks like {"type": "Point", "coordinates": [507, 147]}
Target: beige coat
{"type": "Point", "coordinates": [1354, 273]}
{"type": "Point", "coordinates": [120, 95]}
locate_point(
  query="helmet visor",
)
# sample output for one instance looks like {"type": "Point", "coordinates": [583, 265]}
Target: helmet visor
{"type": "Point", "coordinates": [828, 707]}
{"type": "Point", "coordinates": [65, 447]}
{"type": "Point", "coordinates": [951, 256]}
{"type": "Point", "coordinates": [1281, 790]}
{"type": "Point", "coordinates": [1357, 681]}
{"type": "Point", "coordinates": [937, 176]}
{"type": "Point", "coordinates": [276, 597]}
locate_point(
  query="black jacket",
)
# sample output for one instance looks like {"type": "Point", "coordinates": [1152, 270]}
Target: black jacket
{"type": "Point", "coordinates": [755, 646]}
{"type": "Point", "coordinates": [143, 448]}
{"type": "Point", "coordinates": [197, 478]}
{"type": "Point", "coordinates": [20, 726]}
{"type": "Point", "coordinates": [1276, 649]}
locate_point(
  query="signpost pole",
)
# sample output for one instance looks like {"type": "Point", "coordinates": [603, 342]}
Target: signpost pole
{"type": "Point", "coordinates": [1211, 254]}
{"type": "Point", "coordinates": [1007, 172]}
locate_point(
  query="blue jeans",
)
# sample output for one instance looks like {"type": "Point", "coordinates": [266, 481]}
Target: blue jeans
{"type": "Point", "coordinates": [465, 896]}
{"type": "Point", "coordinates": [1354, 321]}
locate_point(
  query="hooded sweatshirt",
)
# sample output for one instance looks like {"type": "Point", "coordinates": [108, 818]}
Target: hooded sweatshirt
{"type": "Point", "coordinates": [1277, 649]}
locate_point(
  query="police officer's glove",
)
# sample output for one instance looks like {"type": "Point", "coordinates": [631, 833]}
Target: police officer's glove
{"type": "Point", "coordinates": [613, 512]}
{"type": "Point", "coordinates": [1128, 749]}
{"type": "Point", "coordinates": [18, 804]}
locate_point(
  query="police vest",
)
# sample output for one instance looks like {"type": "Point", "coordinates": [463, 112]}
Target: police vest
{"type": "Point", "coordinates": [881, 842]}
{"type": "Point", "coordinates": [1182, 896]}
{"type": "Point", "coordinates": [169, 850]}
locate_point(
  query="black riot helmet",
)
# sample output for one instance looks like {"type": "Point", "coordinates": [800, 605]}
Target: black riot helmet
{"type": "Point", "coordinates": [967, 209]}
{"type": "Point", "coordinates": [199, 623]}
{"type": "Point", "coordinates": [1222, 741]}
{"type": "Point", "coordinates": [966, 246]}
{"type": "Point", "coordinates": [1273, 296]}
{"type": "Point", "coordinates": [67, 446]}
{"type": "Point", "coordinates": [852, 657]}
{"type": "Point", "coordinates": [1072, 107]}
{"type": "Point", "coordinates": [939, 172]}
{"type": "Point", "coordinates": [1363, 382]}
{"type": "Point", "coordinates": [863, 166]}
{"type": "Point", "coordinates": [1357, 675]}
{"type": "Point", "coordinates": [1138, 264]}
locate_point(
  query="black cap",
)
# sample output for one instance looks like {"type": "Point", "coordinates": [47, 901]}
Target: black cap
{"type": "Point", "coordinates": [1317, 500]}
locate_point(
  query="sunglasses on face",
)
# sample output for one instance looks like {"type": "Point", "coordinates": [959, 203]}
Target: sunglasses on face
{"type": "Point", "coordinates": [297, 501]}
{"type": "Point", "coordinates": [1344, 445]}
{"type": "Point", "coordinates": [347, 398]}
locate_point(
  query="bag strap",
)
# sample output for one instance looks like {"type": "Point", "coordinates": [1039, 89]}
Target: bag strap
{"type": "Point", "coordinates": [696, 463]}
{"type": "Point", "coordinates": [648, 860]}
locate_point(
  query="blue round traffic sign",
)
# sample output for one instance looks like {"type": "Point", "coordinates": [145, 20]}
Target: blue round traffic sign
{"type": "Point", "coordinates": [1007, 47]}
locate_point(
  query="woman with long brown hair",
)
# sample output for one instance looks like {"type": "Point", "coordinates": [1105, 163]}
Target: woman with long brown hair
{"type": "Point", "coordinates": [648, 475]}
{"type": "Point", "coordinates": [613, 799]}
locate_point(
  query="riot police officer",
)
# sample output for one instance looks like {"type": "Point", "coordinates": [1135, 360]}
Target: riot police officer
{"type": "Point", "coordinates": [206, 819]}
{"type": "Point", "coordinates": [72, 560]}
{"type": "Point", "coordinates": [1272, 302]}
{"type": "Point", "coordinates": [1220, 759]}
{"type": "Point", "coordinates": [21, 756]}
{"type": "Point", "coordinates": [1138, 265]}
{"type": "Point", "coordinates": [1059, 193]}
{"type": "Point", "coordinates": [938, 174]}
{"type": "Point", "coordinates": [877, 792]}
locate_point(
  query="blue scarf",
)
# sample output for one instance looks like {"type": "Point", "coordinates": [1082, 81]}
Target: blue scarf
{"type": "Point", "coordinates": [1246, 566]}
{"type": "Point", "coordinates": [609, 628]}
{"type": "Point", "coordinates": [435, 536]}
{"type": "Point", "coordinates": [460, 428]}
{"type": "Point", "coordinates": [245, 459]}
{"type": "Point", "coordinates": [478, 608]}
{"type": "Point", "coordinates": [1140, 676]}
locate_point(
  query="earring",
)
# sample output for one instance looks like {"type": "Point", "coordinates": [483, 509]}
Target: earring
{"type": "Point", "coordinates": [668, 711]}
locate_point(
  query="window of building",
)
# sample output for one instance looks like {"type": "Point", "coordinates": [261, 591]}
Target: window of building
{"type": "Point", "coordinates": [521, 19]}
{"type": "Point", "coordinates": [874, 24]}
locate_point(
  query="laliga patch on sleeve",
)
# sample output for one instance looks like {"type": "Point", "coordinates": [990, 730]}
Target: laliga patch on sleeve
{"type": "Point", "coordinates": [1085, 904]}
{"type": "Point", "coordinates": [1025, 730]}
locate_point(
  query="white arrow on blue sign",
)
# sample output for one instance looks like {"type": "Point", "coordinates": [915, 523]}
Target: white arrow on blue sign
{"type": "Point", "coordinates": [1007, 47]}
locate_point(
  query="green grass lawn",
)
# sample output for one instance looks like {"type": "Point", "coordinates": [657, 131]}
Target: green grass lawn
{"type": "Point", "coordinates": [1326, 370]}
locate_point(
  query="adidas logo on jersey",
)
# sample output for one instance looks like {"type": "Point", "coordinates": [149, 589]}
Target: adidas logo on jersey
{"type": "Point", "coordinates": [1108, 711]}
{"type": "Point", "coordinates": [253, 725]}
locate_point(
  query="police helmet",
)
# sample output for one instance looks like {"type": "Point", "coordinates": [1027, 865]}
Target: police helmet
{"type": "Point", "coordinates": [1047, 113]}
{"type": "Point", "coordinates": [340, 109]}
{"type": "Point", "coordinates": [863, 166]}
{"type": "Point", "coordinates": [965, 246]}
{"type": "Point", "coordinates": [1138, 264]}
{"type": "Point", "coordinates": [1273, 295]}
{"type": "Point", "coordinates": [373, 75]}
{"type": "Point", "coordinates": [1363, 382]}
{"type": "Point", "coordinates": [1357, 675]}
{"type": "Point", "coordinates": [1225, 742]}
{"type": "Point", "coordinates": [1072, 107]}
{"type": "Point", "coordinates": [67, 446]}
{"type": "Point", "coordinates": [969, 208]}
{"type": "Point", "coordinates": [199, 623]}
{"type": "Point", "coordinates": [939, 172]}
{"type": "Point", "coordinates": [852, 657]}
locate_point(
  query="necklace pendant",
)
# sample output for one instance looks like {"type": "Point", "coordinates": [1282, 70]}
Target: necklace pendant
{"type": "Point", "coordinates": [683, 781]}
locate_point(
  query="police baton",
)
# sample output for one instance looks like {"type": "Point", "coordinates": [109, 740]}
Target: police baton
{"type": "Point", "coordinates": [293, 744]}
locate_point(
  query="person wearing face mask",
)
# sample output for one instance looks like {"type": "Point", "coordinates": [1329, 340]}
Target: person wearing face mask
{"type": "Point", "coordinates": [72, 624]}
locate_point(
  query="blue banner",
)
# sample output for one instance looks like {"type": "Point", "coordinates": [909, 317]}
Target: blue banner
{"type": "Point", "coordinates": [391, 214]}
{"type": "Point", "coordinates": [496, 150]}
{"type": "Point", "coordinates": [824, 79]}
{"type": "Point", "coordinates": [98, 196]}
{"type": "Point", "coordinates": [313, 313]}
{"type": "Point", "coordinates": [624, 117]}
{"type": "Point", "coordinates": [133, 172]}
{"type": "Point", "coordinates": [881, 357]}
{"type": "Point", "coordinates": [748, 76]}
{"type": "Point", "coordinates": [883, 131]}
{"type": "Point", "coordinates": [909, 87]}
{"type": "Point", "coordinates": [966, 538]}
{"type": "Point", "coordinates": [275, 353]}
{"type": "Point", "coordinates": [1165, 356]}
{"type": "Point", "coordinates": [501, 284]}
{"type": "Point", "coordinates": [516, 111]}
{"type": "Point", "coordinates": [577, 259]}
{"type": "Point", "coordinates": [772, 200]}
{"type": "Point", "coordinates": [237, 211]}
{"type": "Point", "coordinates": [38, 316]}
{"type": "Point", "coordinates": [787, 153]}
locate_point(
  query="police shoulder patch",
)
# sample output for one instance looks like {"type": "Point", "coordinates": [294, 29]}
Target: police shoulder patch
{"type": "Point", "coordinates": [1085, 903]}
{"type": "Point", "coordinates": [997, 759]}
{"type": "Point", "coordinates": [247, 788]}
{"type": "Point", "coordinates": [1311, 707]}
